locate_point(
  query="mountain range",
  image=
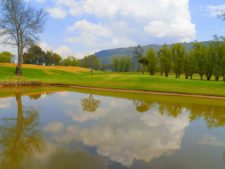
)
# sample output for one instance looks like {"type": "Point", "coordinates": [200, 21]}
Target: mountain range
{"type": "Point", "coordinates": [106, 56]}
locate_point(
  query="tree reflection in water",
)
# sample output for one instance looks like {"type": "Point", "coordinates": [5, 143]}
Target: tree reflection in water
{"type": "Point", "coordinates": [214, 116]}
{"type": "Point", "coordinates": [19, 137]}
{"type": "Point", "coordinates": [142, 106]}
{"type": "Point", "coordinates": [90, 104]}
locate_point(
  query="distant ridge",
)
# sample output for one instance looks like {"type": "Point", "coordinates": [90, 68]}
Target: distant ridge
{"type": "Point", "coordinates": [106, 55]}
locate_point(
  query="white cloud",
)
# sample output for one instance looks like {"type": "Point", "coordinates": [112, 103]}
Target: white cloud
{"type": "Point", "coordinates": [183, 29]}
{"type": "Point", "coordinates": [63, 50]}
{"type": "Point", "coordinates": [109, 24]}
{"type": "Point", "coordinates": [91, 28]}
{"type": "Point", "coordinates": [45, 46]}
{"type": "Point", "coordinates": [157, 19]}
{"type": "Point", "coordinates": [56, 12]}
{"type": "Point", "coordinates": [97, 36]}
{"type": "Point", "coordinates": [125, 137]}
{"type": "Point", "coordinates": [54, 127]}
{"type": "Point", "coordinates": [84, 117]}
{"type": "Point", "coordinates": [215, 10]}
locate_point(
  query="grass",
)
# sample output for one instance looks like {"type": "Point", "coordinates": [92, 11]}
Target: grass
{"type": "Point", "coordinates": [132, 81]}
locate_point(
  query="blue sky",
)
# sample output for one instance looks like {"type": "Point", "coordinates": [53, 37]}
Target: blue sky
{"type": "Point", "coordinates": [206, 24]}
{"type": "Point", "coordinates": [81, 27]}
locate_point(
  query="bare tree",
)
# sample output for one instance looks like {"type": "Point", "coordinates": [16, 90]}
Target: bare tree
{"type": "Point", "coordinates": [20, 24]}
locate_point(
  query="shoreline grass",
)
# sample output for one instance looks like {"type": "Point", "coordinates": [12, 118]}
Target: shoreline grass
{"type": "Point", "coordinates": [127, 81]}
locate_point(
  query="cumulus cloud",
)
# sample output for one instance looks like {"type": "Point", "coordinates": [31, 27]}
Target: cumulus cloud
{"type": "Point", "coordinates": [107, 24]}
{"type": "Point", "coordinates": [157, 19]}
{"type": "Point", "coordinates": [183, 29]}
{"type": "Point", "coordinates": [97, 36]}
{"type": "Point", "coordinates": [97, 29]}
{"type": "Point", "coordinates": [84, 117]}
{"type": "Point", "coordinates": [63, 50]}
{"type": "Point", "coordinates": [54, 127]}
{"type": "Point", "coordinates": [56, 12]}
{"type": "Point", "coordinates": [125, 135]}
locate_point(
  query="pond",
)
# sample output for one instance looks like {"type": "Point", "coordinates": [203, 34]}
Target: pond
{"type": "Point", "coordinates": [60, 128]}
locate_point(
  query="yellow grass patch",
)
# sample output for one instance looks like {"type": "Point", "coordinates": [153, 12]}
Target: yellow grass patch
{"type": "Point", "coordinates": [63, 68]}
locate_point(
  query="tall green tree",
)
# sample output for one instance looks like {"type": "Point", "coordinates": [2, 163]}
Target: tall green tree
{"type": "Point", "coordinates": [216, 50]}
{"type": "Point", "coordinates": [116, 64]}
{"type": "Point", "coordinates": [165, 60]}
{"type": "Point", "coordinates": [211, 65]}
{"type": "Point", "coordinates": [127, 63]}
{"type": "Point", "coordinates": [92, 62]}
{"type": "Point", "coordinates": [121, 64]}
{"type": "Point", "coordinates": [190, 65]}
{"type": "Point", "coordinates": [34, 55]}
{"type": "Point", "coordinates": [21, 24]}
{"type": "Point", "coordinates": [152, 58]}
{"type": "Point", "coordinates": [178, 55]}
{"type": "Point", "coordinates": [187, 66]}
{"type": "Point", "coordinates": [137, 55]}
{"type": "Point", "coordinates": [144, 63]}
{"type": "Point", "coordinates": [52, 58]}
{"type": "Point", "coordinates": [199, 53]}
{"type": "Point", "coordinates": [70, 61]}
{"type": "Point", "coordinates": [222, 65]}
{"type": "Point", "coordinates": [56, 59]}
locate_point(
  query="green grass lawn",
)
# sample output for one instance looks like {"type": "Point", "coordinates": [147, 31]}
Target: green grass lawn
{"type": "Point", "coordinates": [134, 81]}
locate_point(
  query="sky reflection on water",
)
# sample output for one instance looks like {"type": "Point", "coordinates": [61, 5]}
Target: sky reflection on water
{"type": "Point", "coordinates": [68, 129]}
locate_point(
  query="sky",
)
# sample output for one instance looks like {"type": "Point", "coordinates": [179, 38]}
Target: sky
{"type": "Point", "coordinates": [82, 27]}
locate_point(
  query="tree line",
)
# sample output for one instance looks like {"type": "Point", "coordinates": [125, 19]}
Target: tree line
{"type": "Point", "coordinates": [35, 55]}
{"type": "Point", "coordinates": [206, 60]}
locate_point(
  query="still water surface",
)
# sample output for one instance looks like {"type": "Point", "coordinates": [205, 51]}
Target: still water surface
{"type": "Point", "coordinates": [54, 128]}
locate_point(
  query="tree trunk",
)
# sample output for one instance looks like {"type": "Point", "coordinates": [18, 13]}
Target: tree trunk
{"type": "Point", "coordinates": [152, 73]}
{"type": "Point", "coordinates": [143, 72]}
{"type": "Point", "coordinates": [19, 114]}
{"type": "Point", "coordinates": [91, 71]}
{"type": "Point", "coordinates": [166, 74]}
{"type": "Point", "coordinates": [20, 61]}
{"type": "Point", "coordinates": [209, 77]}
{"type": "Point", "coordinates": [201, 76]}
{"type": "Point", "coordinates": [217, 78]}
